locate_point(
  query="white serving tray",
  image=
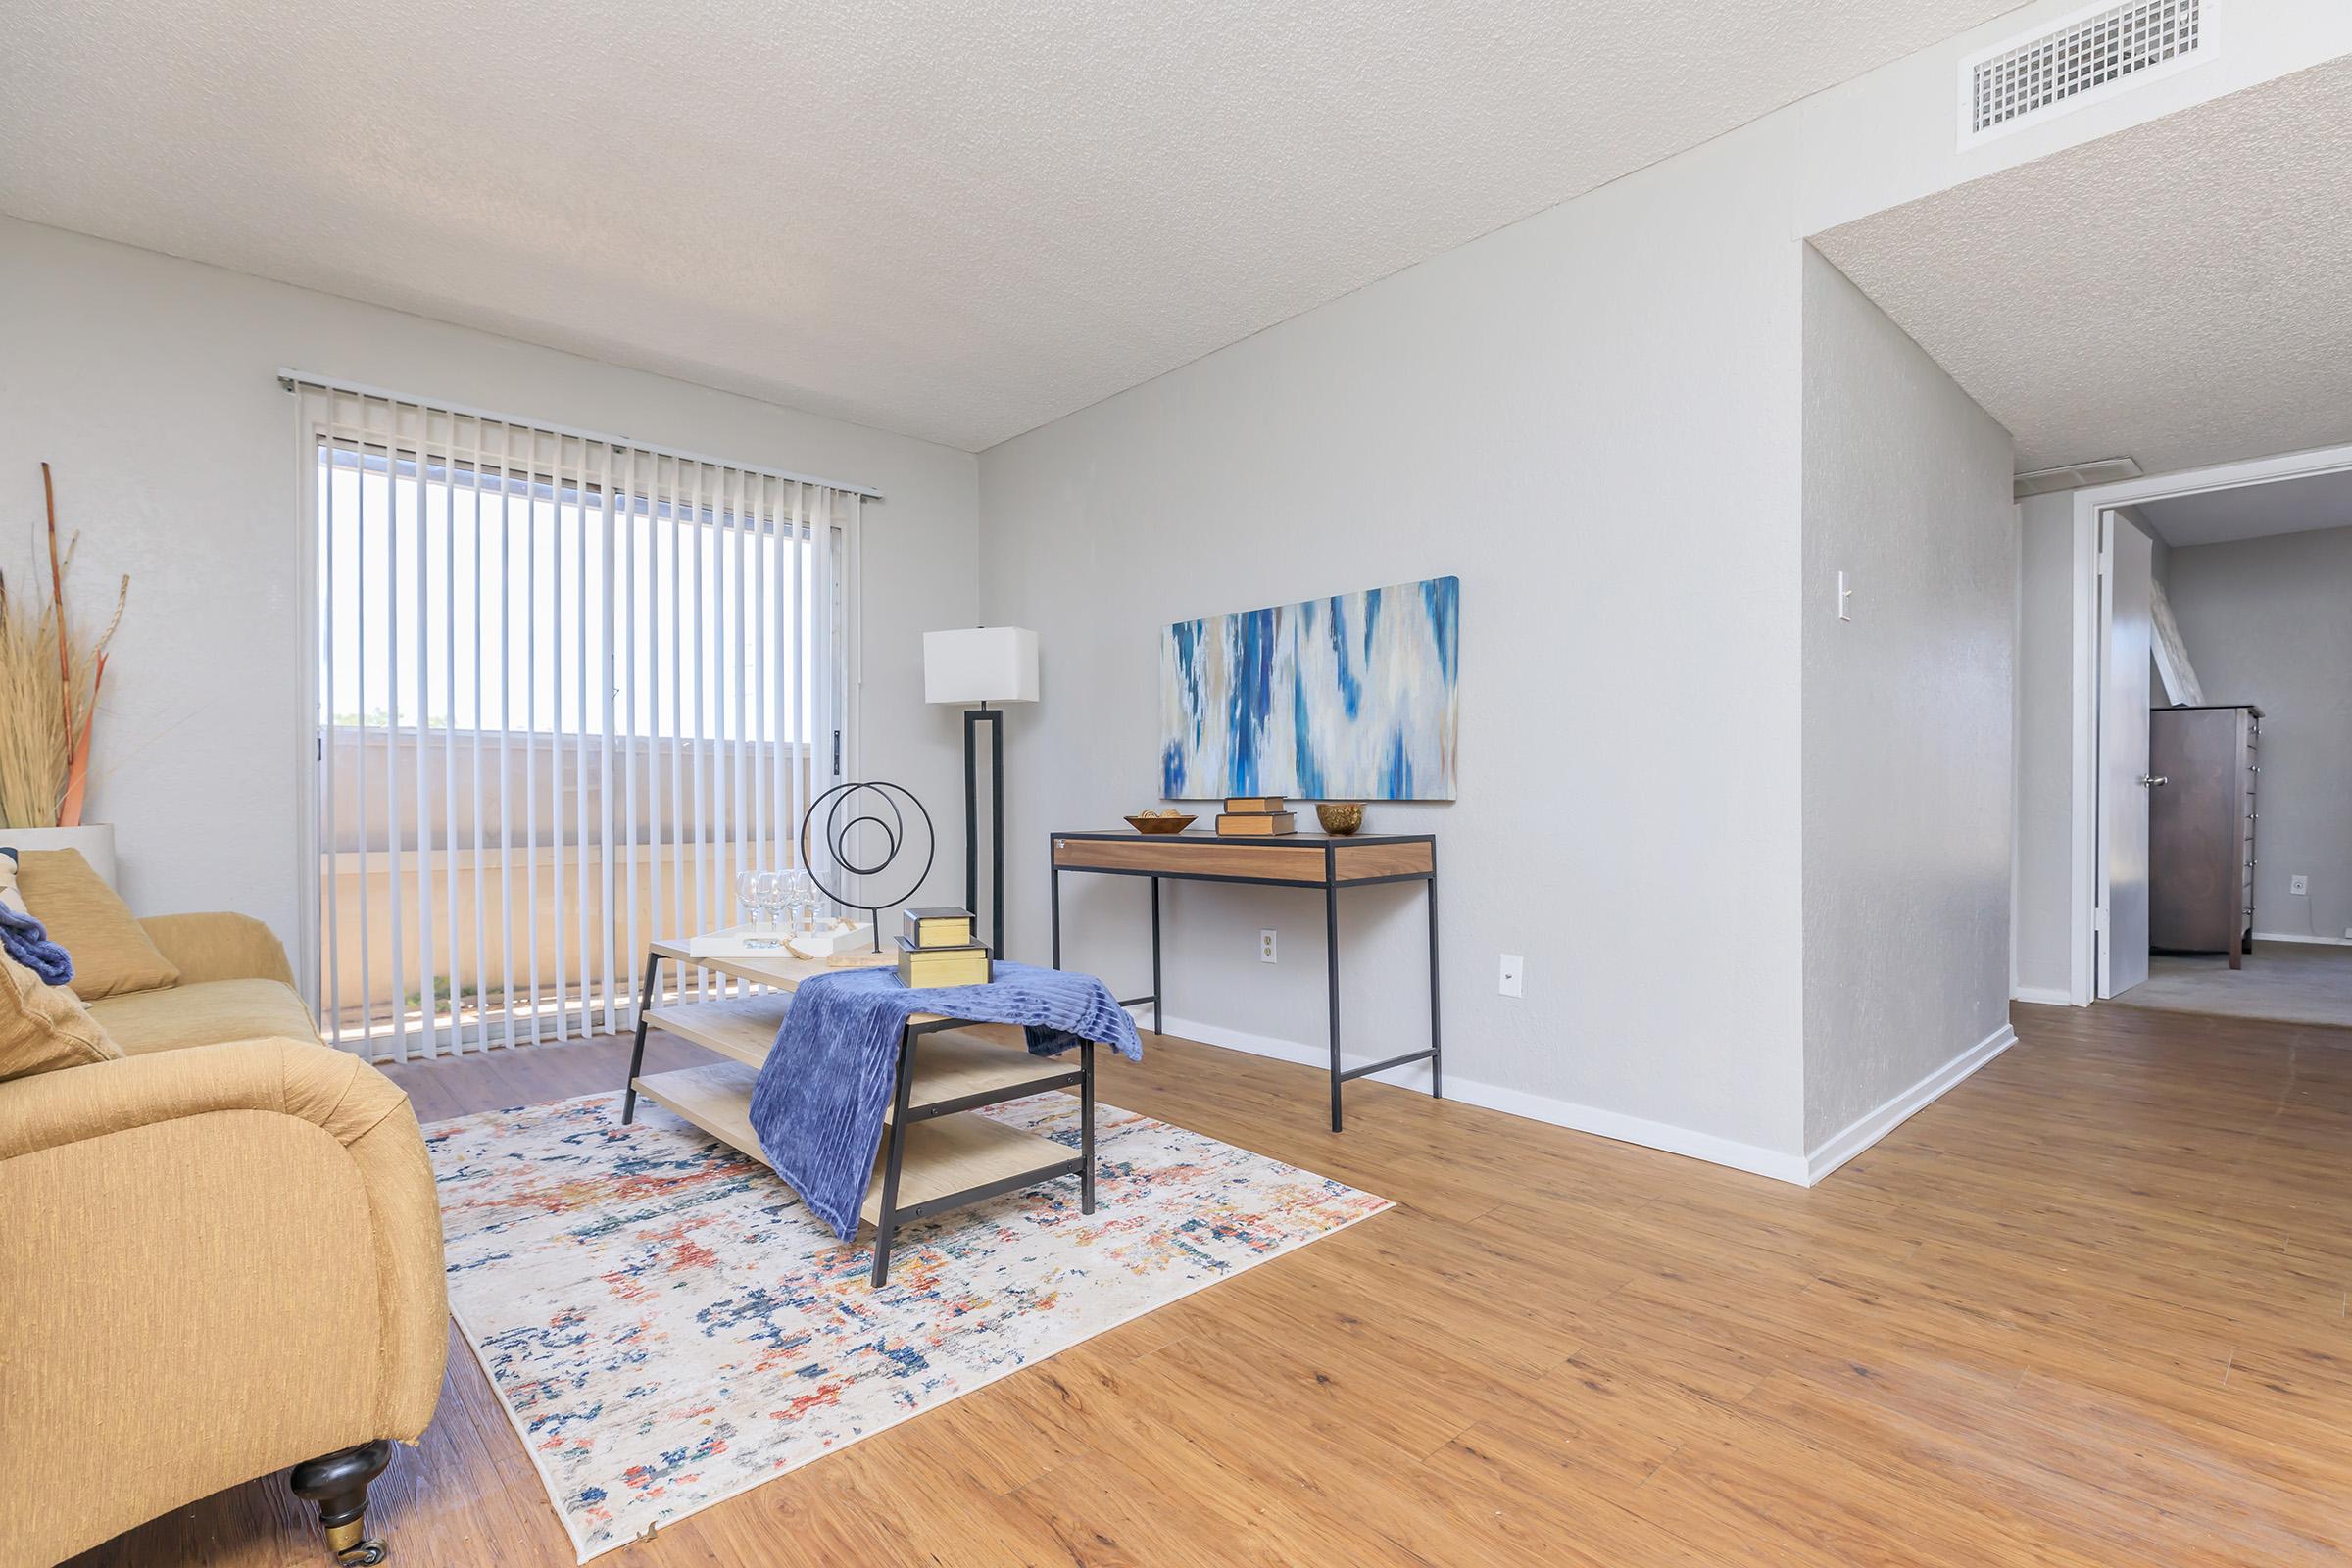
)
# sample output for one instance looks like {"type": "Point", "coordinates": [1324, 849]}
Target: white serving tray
{"type": "Point", "coordinates": [747, 942]}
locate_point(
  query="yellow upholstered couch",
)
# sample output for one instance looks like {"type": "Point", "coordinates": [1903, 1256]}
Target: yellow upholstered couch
{"type": "Point", "coordinates": [219, 1256]}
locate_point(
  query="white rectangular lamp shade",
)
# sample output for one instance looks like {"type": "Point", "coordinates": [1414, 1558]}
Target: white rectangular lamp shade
{"type": "Point", "coordinates": [980, 664]}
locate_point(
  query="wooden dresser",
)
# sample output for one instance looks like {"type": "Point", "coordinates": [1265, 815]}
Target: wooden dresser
{"type": "Point", "coordinates": [2201, 828]}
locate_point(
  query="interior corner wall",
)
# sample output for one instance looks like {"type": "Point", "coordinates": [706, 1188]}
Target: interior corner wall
{"type": "Point", "coordinates": [1591, 416]}
{"type": "Point", "coordinates": [1907, 714]}
{"type": "Point", "coordinates": [2269, 622]}
{"type": "Point", "coordinates": [2042, 936]}
{"type": "Point", "coordinates": [150, 385]}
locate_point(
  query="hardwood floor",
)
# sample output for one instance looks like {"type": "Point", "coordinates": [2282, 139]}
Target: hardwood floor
{"type": "Point", "coordinates": [2090, 1308]}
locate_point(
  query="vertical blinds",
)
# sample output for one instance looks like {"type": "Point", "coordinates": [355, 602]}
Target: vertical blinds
{"type": "Point", "coordinates": [568, 687]}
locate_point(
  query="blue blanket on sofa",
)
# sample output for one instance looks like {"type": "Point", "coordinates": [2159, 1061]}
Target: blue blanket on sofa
{"type": "Point", "coordinates": [22, 938]}
{"type": "Point", "coordinates": [826, 1086]}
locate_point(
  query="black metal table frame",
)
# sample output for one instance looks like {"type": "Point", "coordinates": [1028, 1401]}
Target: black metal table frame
{"type": "Point", "coordinates": [1331, 884]}
{"type": "Point", "coordinates": [892, 1217]}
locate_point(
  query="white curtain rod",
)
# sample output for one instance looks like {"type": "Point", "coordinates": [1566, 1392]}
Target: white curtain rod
{"type": "Point", "coordinates": [293, 380]}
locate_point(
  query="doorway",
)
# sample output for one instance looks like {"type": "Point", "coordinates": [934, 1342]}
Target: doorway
{"type": "Point", "coordinates": [2214, 875]}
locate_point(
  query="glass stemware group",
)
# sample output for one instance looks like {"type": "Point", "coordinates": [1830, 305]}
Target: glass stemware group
{"type": "Point", "coordinates": [784, 901]}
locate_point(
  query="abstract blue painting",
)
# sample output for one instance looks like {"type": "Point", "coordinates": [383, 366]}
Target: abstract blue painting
{"type": "Point", "coordinates": [1352, 698]}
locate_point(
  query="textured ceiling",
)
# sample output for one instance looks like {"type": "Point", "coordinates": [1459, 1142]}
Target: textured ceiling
{"type": "Point", "coordinates": [2253, 510]}
{"type": "Point", "coordinates": [958, 220]}
{"type": "Point", "coordinates": [2176, 292]}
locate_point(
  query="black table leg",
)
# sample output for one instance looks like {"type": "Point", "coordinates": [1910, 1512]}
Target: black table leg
{"type": "Point", "coordinates": [1159, 1007]}
{"type": "Point", "coordinates": [1436, 1052]}
{"type": "Point", "coordinates": [1056, 882]}
{"type": "Point", "coordinates": [886, 1222]}
{"type": "Point", "coordinates": [645, 1000]}
{"type": "Point", "coordinates": [1331, 958]}
{"type": "Point", "coordinates": [1086, 1127]}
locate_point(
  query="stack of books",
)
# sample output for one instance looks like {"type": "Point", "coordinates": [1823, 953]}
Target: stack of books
{"type": "Point", "coordinates": [936, 949]}
{"type": "Point", "coordinates": [1257, 816]}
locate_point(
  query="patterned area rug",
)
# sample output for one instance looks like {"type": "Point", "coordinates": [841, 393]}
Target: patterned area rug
{"type": "Point", "coordinates": [666, 1325]}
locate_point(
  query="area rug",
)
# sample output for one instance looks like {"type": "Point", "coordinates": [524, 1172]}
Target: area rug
{"type": "Point", "coordinates": [667, 1326]}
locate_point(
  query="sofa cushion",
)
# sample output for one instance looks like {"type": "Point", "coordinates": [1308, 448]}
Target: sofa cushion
{"type": "Point", "coordinates": [111, 953]}
{"type": "Point", "coordinates": [204, 1014]}
{"type": "Point", "coordinates": [45, 1027]}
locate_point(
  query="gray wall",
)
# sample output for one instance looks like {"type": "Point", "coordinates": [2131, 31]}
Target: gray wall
{"type": "Point", "coordinates": [1907, 710]}
{"type": "Point", "coordinates": [2269, 621]}
{"type": "Point", "coordinates": [1592, 417]}
{"type": "Point", "coordinates": [150, 384]}
{"type": "Point", "coordinates": [2042, 941]}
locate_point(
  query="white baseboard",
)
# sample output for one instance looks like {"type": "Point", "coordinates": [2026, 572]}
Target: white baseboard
{"type": "Point", "coordinates": [1625, 1129]}
{"type": "Point", "coordinates": [2303, 936]}
{"type": "Point", "coordinates": [1802, 1171]}
{"type": "Point", "coordinates": [2045, 996]}
{"type": "Point", "coordinates": [1877, 1124]}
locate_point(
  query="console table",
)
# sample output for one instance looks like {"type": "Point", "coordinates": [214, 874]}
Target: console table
{"type": "Point", "coordinates": [1291, 860]}
{"type": "Point", "coordinates": [934, 1155]}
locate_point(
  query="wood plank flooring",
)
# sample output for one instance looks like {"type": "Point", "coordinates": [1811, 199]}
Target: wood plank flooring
{"type": "Point", "coordinates": [2090, 1308]}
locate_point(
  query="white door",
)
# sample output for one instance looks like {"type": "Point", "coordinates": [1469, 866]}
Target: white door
{"type": "Point", "coordinates": [2124, 553]}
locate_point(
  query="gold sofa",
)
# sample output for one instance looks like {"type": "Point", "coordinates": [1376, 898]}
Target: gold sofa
{"type": "Point", "coordinates": [219, 1256]}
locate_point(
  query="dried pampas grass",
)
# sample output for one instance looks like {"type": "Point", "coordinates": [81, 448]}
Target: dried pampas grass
{"type": "Point", "coordinates": [49, 680]}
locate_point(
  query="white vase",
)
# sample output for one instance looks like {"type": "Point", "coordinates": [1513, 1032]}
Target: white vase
{"type": "Point", "coordinates": [95, 841]}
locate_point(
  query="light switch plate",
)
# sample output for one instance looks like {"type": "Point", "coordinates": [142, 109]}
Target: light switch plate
{"type": "Point", "coordinates": [1514, 971]}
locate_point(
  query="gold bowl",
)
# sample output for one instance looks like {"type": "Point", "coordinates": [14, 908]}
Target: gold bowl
{"type": "Point", "coordinates": [1340, 817]}
{"type": "Point", "coordinates": [1160, 823]}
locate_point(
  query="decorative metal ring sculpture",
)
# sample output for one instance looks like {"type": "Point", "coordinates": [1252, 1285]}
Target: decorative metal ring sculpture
{"type": "Point", "coordinates": [868, 833]}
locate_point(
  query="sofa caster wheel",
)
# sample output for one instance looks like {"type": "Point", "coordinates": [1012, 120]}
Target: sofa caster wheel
{"type": "Point", "coordinates": [338, 1484]}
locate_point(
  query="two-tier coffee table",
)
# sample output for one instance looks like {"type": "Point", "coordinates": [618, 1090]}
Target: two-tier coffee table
{"type": "Point", "coordinates": [936, 1154]}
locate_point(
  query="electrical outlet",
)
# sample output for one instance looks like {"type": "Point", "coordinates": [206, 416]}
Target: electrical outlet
{"type": "Point", "coordinates": [2299, 886]}
{"type": "Point", "coordinates": [1514, 969]}
{"type": "Point", "coordinates": [1265, 946]}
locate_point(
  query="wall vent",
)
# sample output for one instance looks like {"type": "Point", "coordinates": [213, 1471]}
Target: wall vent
{"type": "Point", "coordinates": [2074, 476]}
{"type": "Point", "coordinates": [2027, 80]}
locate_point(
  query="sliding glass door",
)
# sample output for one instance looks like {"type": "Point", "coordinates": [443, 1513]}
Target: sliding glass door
{"type": "Point", "coordinates": [566, 689]}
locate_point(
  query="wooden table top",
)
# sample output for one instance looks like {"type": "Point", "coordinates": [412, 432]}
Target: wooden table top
{"type": "Point", "coordinates": [784, 973]}
{"type": "Point", "coordinates": [1313, 859]}
{"type": "Point", "coordinates": [1204, 836]}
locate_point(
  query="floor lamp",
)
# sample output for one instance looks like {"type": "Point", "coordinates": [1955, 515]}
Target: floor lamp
{"type": "Point", "coordinates": [982, 664]}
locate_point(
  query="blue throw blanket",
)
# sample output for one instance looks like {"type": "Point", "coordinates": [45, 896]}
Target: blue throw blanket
{"type": "Point", "coordinates": [27, 942]}
{"type": "Point", "coordinates": [825, 1088]}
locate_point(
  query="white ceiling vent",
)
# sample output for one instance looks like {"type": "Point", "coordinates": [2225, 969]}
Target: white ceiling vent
{"type": "Point", "coordinates": [2090, 54]}
{"type": "Point", "coordinates": [2072, 477]}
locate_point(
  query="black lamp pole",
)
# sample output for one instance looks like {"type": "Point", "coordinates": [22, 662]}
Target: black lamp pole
{"type": "Point", "coordinates": [994, 718]}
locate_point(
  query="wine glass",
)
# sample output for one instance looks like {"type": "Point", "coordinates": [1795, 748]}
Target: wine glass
{"type": "Point", "coordinates": [797, 897]}
{"type": "Point", "coordinates": [746, 896]}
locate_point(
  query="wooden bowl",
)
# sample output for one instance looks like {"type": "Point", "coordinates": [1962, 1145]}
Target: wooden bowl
{"type": "Point", "coordinates": [1340, 817]}
{"type": "Point", "coordinates": [1171, 822]}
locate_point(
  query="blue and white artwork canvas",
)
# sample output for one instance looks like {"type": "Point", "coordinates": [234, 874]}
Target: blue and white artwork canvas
{"type": "Point", "coordinates": [1350, 698]}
